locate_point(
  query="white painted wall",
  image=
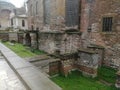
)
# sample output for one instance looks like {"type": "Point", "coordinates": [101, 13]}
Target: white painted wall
{"type": "Point", "coordinates": [17, 23]}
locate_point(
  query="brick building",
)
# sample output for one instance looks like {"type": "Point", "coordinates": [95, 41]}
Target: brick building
{"type": "Point", "coordinates": [103, 19]}
{"type": "Point", "coordinates": [50, 18]}
{"type": "Point", "coordinates": [5, 10]}
{"type": "Point", "coordinates": [53, 14]}
{"type": "Point", "coordinates": [19, 19]}
{"type": "Point", "coordinates": [98, 21]}
{"type": "Point", "coordinates": [65, 26]}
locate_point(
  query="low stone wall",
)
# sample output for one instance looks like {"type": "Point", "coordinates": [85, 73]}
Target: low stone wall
{"type": "Point", "coordinates": [67, 66]}
{"type": "Point", "coordinates": [13, 36]}
{"type": "Point", "coordinates": [91, 71]}
{"type": "Point", "coordinates": [87, 63]}
{"type": "Point", "coordinates": [9, 36]}
{"type": "Point", "coordinates": [55, 41]}
{"type": "Point", "coordinates": [4, 35]}
{"type": "Point", "coordinates": [54, 68]}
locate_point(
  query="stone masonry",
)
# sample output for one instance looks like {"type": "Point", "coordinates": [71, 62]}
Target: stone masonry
{"type": "Point", "coordinates": [93, 12]}
{"type": "Point", "coordinates": [52, 16]}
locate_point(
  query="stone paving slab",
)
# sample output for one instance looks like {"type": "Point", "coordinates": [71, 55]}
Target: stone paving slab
{"type": "Point", "coordinates": [8, 79]}
{"type": "Point", "coordinates": [18, 62]}
{"type": "Point", "coordinates": [4, 48]}
{"type": "Point", "coordinates": [9, 53]}
{"type": "Point", "coordinates": [37, 80]}
{"type": "Point", "coordinates": [32, 78]}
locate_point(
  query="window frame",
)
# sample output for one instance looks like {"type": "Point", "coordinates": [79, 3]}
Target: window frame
{"type": "Point", "coordinates": [107, 24]}
{"type": "Point", "coordinates": [36, 8]}
{"type": "Point", "coordinates": [23, 23]}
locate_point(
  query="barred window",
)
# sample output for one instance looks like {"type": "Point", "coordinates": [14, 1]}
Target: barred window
{"type": "Point", "coordinates": [107, 24]}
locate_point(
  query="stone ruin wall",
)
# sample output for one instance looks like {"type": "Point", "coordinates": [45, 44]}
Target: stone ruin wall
{"type": "Point", "coordinates": [110, 40]}
{"type": "Point", "coordinates": [65, 43]}
{"type": "Point", "coordinates": [9, 36]}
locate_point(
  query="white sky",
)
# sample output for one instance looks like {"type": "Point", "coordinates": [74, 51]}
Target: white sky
{"type": "Point", "coordinates": [17, 3]}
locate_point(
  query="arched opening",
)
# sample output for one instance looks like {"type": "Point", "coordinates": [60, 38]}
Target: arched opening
{"type": "Point", "coordinates": [28, 39]}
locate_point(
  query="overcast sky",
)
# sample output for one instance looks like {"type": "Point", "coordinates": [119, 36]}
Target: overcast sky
{"type": "Point", "coordinates": [17, 3]}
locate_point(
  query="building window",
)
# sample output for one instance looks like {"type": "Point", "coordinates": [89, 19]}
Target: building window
{"type": "Point", "coordinates": [23, 23]}
{"type": "Point", "coordinates": [36, 8]}
{"type": "Point", "coordinates": [107, 24]}
{"type": "Point", "coordinates": [47, 11]}
{"type": "Point", "coordinates": [72, 12]}
{"type": "Point", "coordinates": [11, 22]}
{"type": "Point", "coordinates": [31, 10]}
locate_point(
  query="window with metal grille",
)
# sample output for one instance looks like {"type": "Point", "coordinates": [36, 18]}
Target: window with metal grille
{"type": "Point", "coordinates": [107, 24]}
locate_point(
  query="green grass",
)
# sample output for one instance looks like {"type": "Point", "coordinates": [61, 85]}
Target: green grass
{"type": "Point", "coordinates": [22, 50]}
{"type": "Point", "coordinates": [76, 81]}
{"type": "Point", "coordinates": [108, 74]}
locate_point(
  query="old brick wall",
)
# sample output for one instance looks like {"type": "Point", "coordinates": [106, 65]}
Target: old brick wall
{"type": "Point", "coordinates": [50, 11]}
{"type": "Point", "coordinates": [12, 36]}
{"type": "Point", "coordinates": [4, 36]}
{"type": "Point", "coordinates": [93, 12]}
{"type": "Point", "coordinates": [54, 68]}
{"type": "Point", "coordinates": [65, 43]}
{"type": "Point", "coordinates": [53, 14]}
{"type": "Point", "coordinates": [35, 20]}
{"type": "Point", "coordinates": [88, 70]}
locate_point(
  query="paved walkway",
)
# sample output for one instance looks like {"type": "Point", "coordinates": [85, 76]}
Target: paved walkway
{"type": "Point", "coordinates": [8, 79]}
{"type": "Point", "coordinates": [30, 76]}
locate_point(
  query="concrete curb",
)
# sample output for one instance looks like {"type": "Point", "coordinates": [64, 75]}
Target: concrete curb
{"type": "Point", "coordinates": [29, 75]}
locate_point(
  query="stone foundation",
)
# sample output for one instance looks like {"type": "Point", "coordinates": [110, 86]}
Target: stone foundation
{"type": "Point", "coordinates": [4, 36]}
{"type": "Point", "coordinates": [87, 64]}
{"type": "Point", "coordinates": [51, 42]}
{"type": "Point", "coordinates": [9, 36]}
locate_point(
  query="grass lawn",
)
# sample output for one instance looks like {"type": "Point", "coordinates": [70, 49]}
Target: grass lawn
{"type": "Point", "coordinates": [22, 51]}
{"type": "Point", "coordinates": [107, 73]}
{"type": "Point", "coordinates": [76, 81]}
